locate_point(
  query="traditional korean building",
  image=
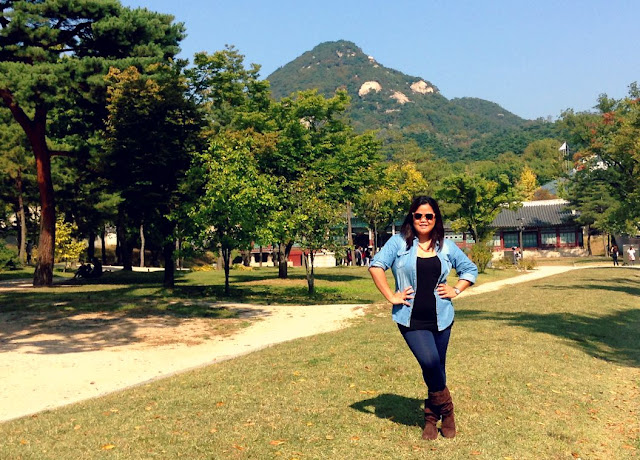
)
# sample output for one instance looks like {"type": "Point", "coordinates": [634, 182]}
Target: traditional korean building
{"type": "Point", "coordinates": [545, 226]}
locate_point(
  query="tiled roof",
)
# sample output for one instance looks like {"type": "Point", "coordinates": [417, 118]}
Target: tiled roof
{"type": "Point", "coordinates": [548, 213]}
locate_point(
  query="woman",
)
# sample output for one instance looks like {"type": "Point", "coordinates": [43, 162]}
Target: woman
{"type": "Point", "coordinates": [421, 260]}
{"type": "Point", "coordinates": [614, 255]}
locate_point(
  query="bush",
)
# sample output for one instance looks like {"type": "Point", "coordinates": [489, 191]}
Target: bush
{"type": "Point", "coordinates": [528, 263]}
{"type": "Point", "coordinates": [8, 258]}
{"type": "Point", "coordinates": [481, 255]}
{"type": "Point", "coordinates": [241, 267]}
{"type": "Point", "coordinates": [203, 268]}
{"type": "Point", "coordinates": [502, 264]}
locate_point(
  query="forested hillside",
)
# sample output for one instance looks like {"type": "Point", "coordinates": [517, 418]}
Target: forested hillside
{"type": "Point", "coordinates": [395, 103]}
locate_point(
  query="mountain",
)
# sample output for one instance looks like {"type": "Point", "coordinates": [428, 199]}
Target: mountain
{"type": "Point", "coordinates": [396, 103]}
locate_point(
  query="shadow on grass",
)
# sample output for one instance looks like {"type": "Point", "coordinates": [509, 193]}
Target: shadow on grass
{"type": "Point", "coordinates": [614, 337]}
{"type": "Point", "coordinates": [59, 321]}
{"type": "Point", "coordinates": [398, 409]}
{"type": "Point", "coordinates": [616, 284]}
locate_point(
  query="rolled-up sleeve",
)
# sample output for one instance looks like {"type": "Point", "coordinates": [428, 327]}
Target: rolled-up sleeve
{"type": "Point", "coordinates": [465, 268]}
{"type": "Point", "coordinates": [387, 255]}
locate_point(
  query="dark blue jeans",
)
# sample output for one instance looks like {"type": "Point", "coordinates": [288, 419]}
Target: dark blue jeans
{"type": "Point", "coordinates": [430, 349]}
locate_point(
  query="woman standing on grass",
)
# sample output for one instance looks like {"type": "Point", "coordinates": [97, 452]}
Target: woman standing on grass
{"type": "Point", "coordinates": [421, 260]}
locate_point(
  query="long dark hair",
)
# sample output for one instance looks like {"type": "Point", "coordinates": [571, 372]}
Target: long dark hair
{"type": "Point", "coordinates": [407, 230]}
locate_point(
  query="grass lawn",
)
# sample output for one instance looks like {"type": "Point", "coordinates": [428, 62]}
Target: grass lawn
{"type": "Point", "coordinates": [574, 260]}
{"type": "Point", "coordinates": [550, 369]}
{"type": "Point", "coordinates": [142, 293]}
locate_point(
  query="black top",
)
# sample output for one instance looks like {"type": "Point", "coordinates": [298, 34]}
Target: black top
{"type": "Point", "coordinates": [424, 314]}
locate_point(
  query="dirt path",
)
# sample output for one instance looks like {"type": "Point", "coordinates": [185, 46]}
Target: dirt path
{"type": "Point", "coordinates": [40, 371]}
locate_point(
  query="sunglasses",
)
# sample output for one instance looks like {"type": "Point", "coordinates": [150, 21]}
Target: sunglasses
{"type": "Point", "coordinates": [419, 216]}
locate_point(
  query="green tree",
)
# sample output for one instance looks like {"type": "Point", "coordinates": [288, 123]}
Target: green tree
{"type": "Point", "coordinates": [317, 220]}
{"type": "Point", "coordinates": [50, 53]}
{"type": "Point", "coordinates": [312, 135]}
{"type": "Point", "coordinates": [16, 167]}
{"type": "Point", "coordinates": [612, 158]}
{"type": "Point", "coordinates": [477, 202]}
{"type": "Point", "coordinates": [149, 136]}
{"type": "Point", "coordinates": [527, 184]}
{"type": "Point", "coordinates": [388, 198]}
{"type": "Point", "coordinates": [68, 249]}
{"type": "Point", "coordinates": [235, 196]}
{"type": "Point", "coordinates": [544, 158]}
{"type": "Point", "coordinates": [589, 194]}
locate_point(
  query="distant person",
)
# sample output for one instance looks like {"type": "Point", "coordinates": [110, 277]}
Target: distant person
{"type": "Point", "coordinates": [96, 272]}
{"type": "Point", "coordinates": [515, 255]}
{"type": "Point", "coordinates": [421, 260]}
{"type": "Point", "coordinates": [367, 256]}
{"type": "Point", "coordinates": [631, 253]}
{"type": "Point", "coordinates": [358, 256]}
{"type": "Point", "coordinates": [83, 271]}
{"type": "Point", "coordinates": [29, 250]}
{"type": "Point", "coordinates": [614, 255]}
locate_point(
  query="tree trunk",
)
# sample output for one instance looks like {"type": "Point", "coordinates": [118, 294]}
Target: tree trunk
{"type": "Point", "coordinates": [282, 262]}
{"type": "Point", "coordinates": [349, 229]}
{"type": "Point", "coordinates": [179, 258]}
{"type": "Point", "coordinates": [36, 131]}
{"type": "Point", "coordinates": [142, 246]}
{"type": "Point", "coordinates": [169, 270]}
{"type": "Point", "coordinates": [308, 265]}
{"type": "Point", "coordinates": [22, 219]}
{"type": "Point", "coordinates": [246, 257]}
{"type": "Point", "coordinates": [91, 250]}
{"type": "Point", "coordinates": [43, 275]}
{"type": "Point", "coordinates": [103, 242]}
{"type": "Point", "coordinates": [125, 248]}
{"type": "Point", "coordinates": [375, 239]}
{"type": "Point", "coordinates": [589, 240]}
{"type": "Point", "coordinates": [226, 255]}
{"type": "Point", "coordinates": [260, 256]}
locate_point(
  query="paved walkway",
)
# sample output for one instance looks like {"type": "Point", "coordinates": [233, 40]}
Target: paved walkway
{"type": "Point", "coordinates": [32, 381]}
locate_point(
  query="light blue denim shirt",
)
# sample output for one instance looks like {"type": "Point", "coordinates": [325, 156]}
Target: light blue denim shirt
{"type": "Point", "coordinates": [402, 261]}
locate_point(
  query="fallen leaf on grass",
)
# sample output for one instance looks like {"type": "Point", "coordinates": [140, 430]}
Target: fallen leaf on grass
{"type": "Point", "coordinates": [24, 442]}
{"type": "Point", "coordinates": [236, 446]}
{"type": "Point", "coordinates": [355, 438]}
{"type": "Point", "coordinates": [277, 442]}
{"type": "Point", "coordinates": [220, 403]}
{"type": "Point", "coordinates": [476, 452]}
{"type": "Point", "coordinates": [329, 437]}
{"type": "Point", "coordinates": [108, 447]}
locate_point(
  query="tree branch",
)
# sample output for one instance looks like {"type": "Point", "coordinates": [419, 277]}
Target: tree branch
{"type": "Point", "coordinates": [16, 110]}
{"type": "Point", "coordinates": [62, 153]}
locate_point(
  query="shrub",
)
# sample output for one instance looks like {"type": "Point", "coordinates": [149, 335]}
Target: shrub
{"type": "Point", "coordinates": [481, 255]}
{"type": "Point", "coordinates": [202, 268]}
{"type": "Point", "coordinates": [8, 258]}
{"type": "Point", "coordinates": [502, 264]}
{"type": "Point", "coordinates": [241, 267]}
{"type": "Point", "coordinates": [528, 263]}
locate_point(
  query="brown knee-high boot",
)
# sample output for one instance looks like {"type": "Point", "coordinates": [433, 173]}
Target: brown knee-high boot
{"type": "Point", "coordinates": [430, 419]}
{"type": "Point", "coordinates": [442, 405]}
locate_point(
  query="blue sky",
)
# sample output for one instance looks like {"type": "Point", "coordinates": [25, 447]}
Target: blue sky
{"type": "Point", "coordinates": [533, 58]}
